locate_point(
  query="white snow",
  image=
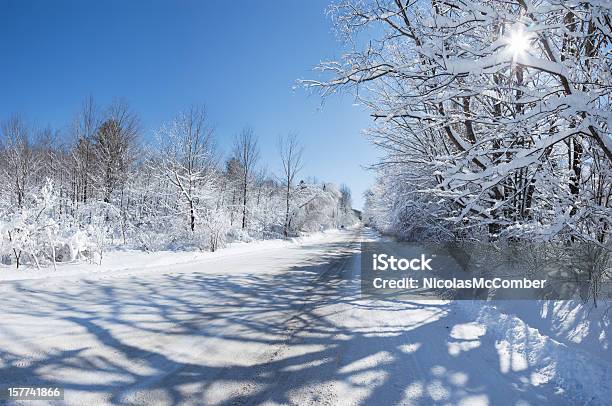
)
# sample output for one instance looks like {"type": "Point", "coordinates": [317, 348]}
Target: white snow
{"type": "Point", "coordinates": [126, 261]}
{"type": "Point", "coordinates": [274, 323]}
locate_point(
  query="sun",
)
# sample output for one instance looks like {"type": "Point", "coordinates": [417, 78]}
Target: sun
{"type": "Point", "coordinates": [518, 42]}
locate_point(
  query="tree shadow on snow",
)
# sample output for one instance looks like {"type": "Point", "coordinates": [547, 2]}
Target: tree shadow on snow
{"type": "Point", "coordinates": [303, 336]}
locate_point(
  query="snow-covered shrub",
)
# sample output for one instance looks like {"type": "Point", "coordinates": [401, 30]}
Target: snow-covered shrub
{"type": "Point", "coordinates": [217, 226]}
{"type": "Point", "coordinates": [31, 233]}
{"type": "Point", "coordinates": [149, 237]}
{"type": "Point", "coordinates": [38, 234]}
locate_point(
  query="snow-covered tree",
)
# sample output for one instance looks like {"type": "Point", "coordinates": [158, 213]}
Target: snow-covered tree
{"type": "Point", "coordinates": [71, 196]}
{"type": "Point", "coordinates": [187, 161]}
{"type": "Point", "coordinates": [498, 111]}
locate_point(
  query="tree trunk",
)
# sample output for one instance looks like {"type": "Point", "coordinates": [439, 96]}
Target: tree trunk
{"type": "Point", "coordinates": [287, 213]}
{"type": "Point", "coordinates": [244, 201]}
{"type": "Point", "coordinates": [191, 216]}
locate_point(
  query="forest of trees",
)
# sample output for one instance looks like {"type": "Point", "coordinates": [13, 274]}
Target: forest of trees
{"type": "Point", "coordinates": [494, 117]}
{"type": "Point", "coordinates": [70, 195]}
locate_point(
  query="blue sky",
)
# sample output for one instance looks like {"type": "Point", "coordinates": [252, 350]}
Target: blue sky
{"type": "Point", "coordinates": [241, 59]}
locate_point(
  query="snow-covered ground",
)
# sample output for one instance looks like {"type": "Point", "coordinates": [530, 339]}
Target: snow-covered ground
{"type": "Point", "coordinates": [281, 323]}
{"type": "Point", "coordinates": [126, 261]}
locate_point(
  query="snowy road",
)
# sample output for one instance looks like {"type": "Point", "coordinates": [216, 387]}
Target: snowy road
{"type": "Point", "coordinates": [283, 325]}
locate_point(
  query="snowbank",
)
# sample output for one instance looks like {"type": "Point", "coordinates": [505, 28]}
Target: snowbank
{"type": "Point", "coordinates": [583, 377]}
{"type": "Point", "coordinates": [127, 261]}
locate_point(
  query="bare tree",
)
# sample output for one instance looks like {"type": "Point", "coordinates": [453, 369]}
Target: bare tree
{"type": "Point", "coordinates": [346, 200]}
{"type": "Point", "coordinates": [246, 153]}
{"type": "Point", "coordinates": [20, 159]}
{"type": "Point", "coordinates": [232, 178]}
{"type": "Point", "coordinates": [291, 157]}
{"type": "Point", "coordinates": [85, 127]}
{"type": "Point", "coordinates": [115, 147]}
